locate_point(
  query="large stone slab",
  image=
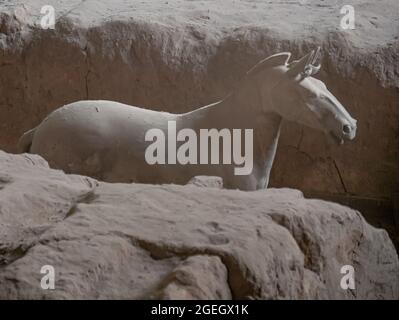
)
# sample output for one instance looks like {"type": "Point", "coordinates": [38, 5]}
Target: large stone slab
{"type": "Point", "coordinates": [175, 242]}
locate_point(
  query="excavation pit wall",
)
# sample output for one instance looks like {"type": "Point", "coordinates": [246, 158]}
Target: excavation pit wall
{"type": "Point", "coordinates": [172, 69]}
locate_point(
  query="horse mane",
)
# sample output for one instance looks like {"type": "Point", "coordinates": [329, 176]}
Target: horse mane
{"type": "Point", "coordinates": [274, 60]}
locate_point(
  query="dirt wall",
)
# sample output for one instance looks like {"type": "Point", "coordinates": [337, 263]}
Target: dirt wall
{"type": "Point", "coordinates": [174, 69]}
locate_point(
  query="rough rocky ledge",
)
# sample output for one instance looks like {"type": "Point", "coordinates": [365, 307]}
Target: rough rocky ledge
{"type": "Point", "coordinates": [167, 241]}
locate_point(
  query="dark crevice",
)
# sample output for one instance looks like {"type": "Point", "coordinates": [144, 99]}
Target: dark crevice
{"type": "Point", "coordinates": [85, 199]}
{"type": "Point", "coordinates": [300, 151]}
{"type": "Point", "coordinates": [9, 255]}
{"type": "Point", "coordinates": [87, 60]}
{"type": "Point", "coordinates": [340, 176]}
{"type": "Point", "coordinates": [5, 180]}
{"type": "Point", "coordinates": [300, 140]}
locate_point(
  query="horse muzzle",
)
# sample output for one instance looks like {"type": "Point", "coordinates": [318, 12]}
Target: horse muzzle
{"type": "Point", "coordinates": [348, 132]}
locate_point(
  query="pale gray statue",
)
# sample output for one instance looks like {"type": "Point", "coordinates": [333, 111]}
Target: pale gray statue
{"type": "Point", "coordinates": [106, 139]}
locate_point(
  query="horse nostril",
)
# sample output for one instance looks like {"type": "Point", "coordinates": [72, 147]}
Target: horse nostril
{"type": "Point", "coordinates": [346, 128]}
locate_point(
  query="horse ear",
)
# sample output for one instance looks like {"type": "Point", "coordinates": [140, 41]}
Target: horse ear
{"type": "Point", "coordinates": [316, 57]}
{"type": "Point", "coordinates": [300, 67]}
{"type": "Point", "coordinates": [305, 66]}
{"type": "Point", "coordinates": [272, 61]}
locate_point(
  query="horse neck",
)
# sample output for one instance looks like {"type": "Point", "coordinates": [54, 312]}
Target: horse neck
{"type": "Point", "coordinates": [243, 109]}
{"type": "Point", "coordinates": [240, 109]}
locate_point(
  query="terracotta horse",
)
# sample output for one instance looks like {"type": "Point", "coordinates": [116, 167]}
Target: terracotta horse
{"type": "Point", "coordinates": [107, 140]}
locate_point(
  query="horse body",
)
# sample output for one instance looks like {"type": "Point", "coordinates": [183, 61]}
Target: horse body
{"type": "Point", "coordinates": [106, 139]}
{"type": "Point", "coordinates": [101, 139]}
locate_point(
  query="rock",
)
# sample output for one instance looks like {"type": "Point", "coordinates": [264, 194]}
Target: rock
{"type": "Point", "coordinates": [207, 181]}
{"type": "Point", "coordinates": [187, 281]}
{"type": "Point", "coordinates": [184, 54]}
{"type": "Point", "coordinates": [131, 241]}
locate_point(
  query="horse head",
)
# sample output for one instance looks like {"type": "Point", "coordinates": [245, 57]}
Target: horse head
{"type": "Point", "coordinates": [292, 92]}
